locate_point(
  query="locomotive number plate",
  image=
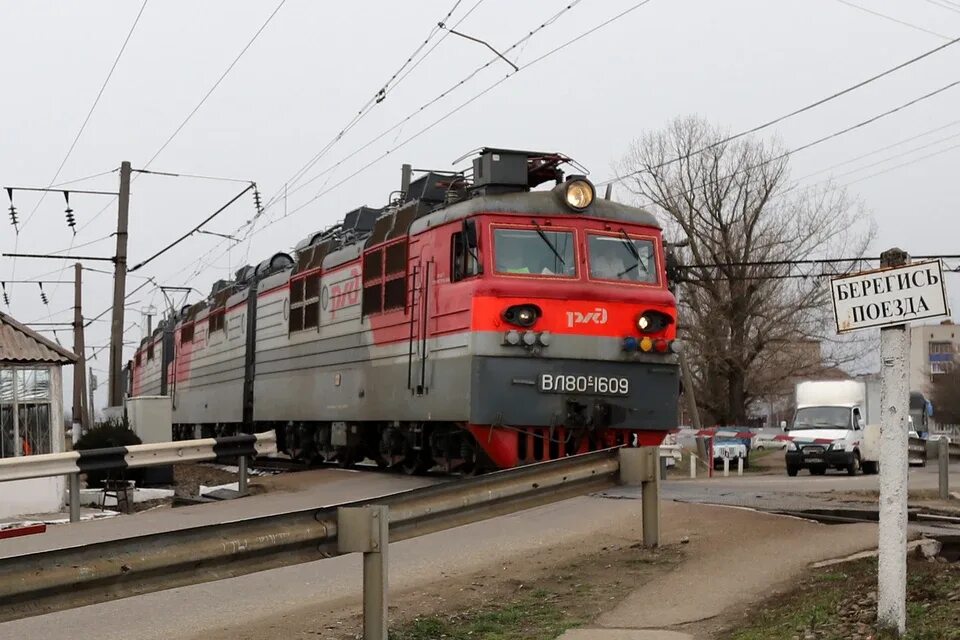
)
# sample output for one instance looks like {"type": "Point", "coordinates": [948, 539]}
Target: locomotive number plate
{"type": "Point", "coordinates": [595, 385]}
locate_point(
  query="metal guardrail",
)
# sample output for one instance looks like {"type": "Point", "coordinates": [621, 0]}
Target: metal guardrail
{"type": "Point", "coordinates": [73, 463]}
{"type": "Point", "coordinates": [916, 451]}
{"type": "Point", "coordinates": [39, 583]}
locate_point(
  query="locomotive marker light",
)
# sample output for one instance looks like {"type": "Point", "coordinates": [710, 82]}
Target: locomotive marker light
{"type": "Point", "coordinates": [889, 298]}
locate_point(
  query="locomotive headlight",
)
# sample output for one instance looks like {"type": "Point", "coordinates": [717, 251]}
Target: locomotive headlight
{"type": "Point", "coordinates": [579, 193]}
{"type": "Point", "coordinates": [653, 321]}
{"type": "Point", "coordinates": [523, 315]}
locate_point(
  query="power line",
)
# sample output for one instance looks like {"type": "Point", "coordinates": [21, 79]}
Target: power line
{"type": "Point", "coordinates": [376, 99]}
{"type": "Point", "coordinates": [780, 119]}
{"type": "Point", "coordinates": [93, 107]}
{"type": "Point", "coordinates": [948, 7]}
{"type": "Point", "coordinates": [192, 231]}
{"type": "Point", "coordinates": [203, 100]}
{"type": "Point", "coordinates": [903, 164]}
{"type": "Point", "coordinates": [892, 19]}
{"type": "Point", "coordinates": [814, 143]}
{"type": "Point", "coordinates": [453, 111]}
{"type": "Point", "coordinates": [436, 122]}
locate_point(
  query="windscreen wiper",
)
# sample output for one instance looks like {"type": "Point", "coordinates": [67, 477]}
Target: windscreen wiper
{"type": "Point", "coordinates": [633, 250]}
{"type": "Point", "coordinates": [544, 237]}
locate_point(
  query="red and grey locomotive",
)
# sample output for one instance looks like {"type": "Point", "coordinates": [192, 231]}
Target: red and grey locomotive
{"type": "Point", "coordinates": [475, 322]}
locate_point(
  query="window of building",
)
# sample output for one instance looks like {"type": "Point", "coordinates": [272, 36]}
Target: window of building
{"type": "Point", "coordinates": [937, 368]}
{"type": "Point", "coordinates": [305, 303]}
{"type": "Point", "coordinates": [534, 252]}
{"type": "Point", "coordinates": [25, 411]}
{"type": "Point", "coordinates": [940, 347]}
{"type": "Point", "coordinates": [463, 263]}
{"type": "Point", "coordinates": [622, 258]}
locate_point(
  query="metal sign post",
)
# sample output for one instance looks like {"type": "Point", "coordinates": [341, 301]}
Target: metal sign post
{"type": "Point", "coordinates": [889, 298]}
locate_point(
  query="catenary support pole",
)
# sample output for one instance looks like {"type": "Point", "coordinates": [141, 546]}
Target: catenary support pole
{"type": "Point", "coordinates": [74, 496]}
{"type": "Point", "coordinates": [80, 410]}
{"type": "Point", "coordinates": [115, 382]}
{"type": "Point", "coordinates": [943, 461]}
{"type": "Point", "coordinates": [894, 403]}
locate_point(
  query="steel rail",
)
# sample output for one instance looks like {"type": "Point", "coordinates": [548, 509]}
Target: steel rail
{"type": "Point", "coordinates": [47, 581]}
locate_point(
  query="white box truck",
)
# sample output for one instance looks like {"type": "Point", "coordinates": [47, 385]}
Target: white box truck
{"type": "Point", "coordinates": [836, 425]}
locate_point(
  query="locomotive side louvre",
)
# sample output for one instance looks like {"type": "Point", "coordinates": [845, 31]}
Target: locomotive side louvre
{"type": "Point", "coordinates": [394, 335]}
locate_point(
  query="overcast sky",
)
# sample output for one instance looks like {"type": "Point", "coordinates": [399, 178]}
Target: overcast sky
{"type": "Point", "coordinates": [737, 63]}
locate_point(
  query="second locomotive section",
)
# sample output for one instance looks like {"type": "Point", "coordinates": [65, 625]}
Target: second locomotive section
{"type": "Point", "coordinates": [474, 324]}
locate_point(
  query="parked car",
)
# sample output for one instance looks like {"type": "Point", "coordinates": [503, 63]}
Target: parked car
{"type": "Point", "coordinates": [773, 440]}
{"type": "Point", "coordinates": [730, 449]}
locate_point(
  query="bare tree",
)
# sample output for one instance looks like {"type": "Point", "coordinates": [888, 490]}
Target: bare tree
{"type": "Point", "coordinates": [748, 323]}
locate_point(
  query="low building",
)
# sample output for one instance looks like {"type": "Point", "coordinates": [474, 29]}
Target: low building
{"type": "Point", "coordinates": [31, 413]}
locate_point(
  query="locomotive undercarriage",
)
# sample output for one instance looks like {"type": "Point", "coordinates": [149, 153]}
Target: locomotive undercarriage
{"type": "Point", "coordinates": [411, 448]}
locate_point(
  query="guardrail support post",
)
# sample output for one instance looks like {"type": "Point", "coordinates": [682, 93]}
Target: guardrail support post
{"type": "Point", "coordinates": [693, 466]}
{"type": "Point", "coordinates": [943, 458]}
{"type": "Point", "coordinates": [73, 494]}
{"type": "Point", "coordinates": [726, 467]}
{"type": "Point", "coordinates": [739, 466]}
{"type": "Point", "coordinates": [639, 467]}
{"type": "Point", "coordinates": [242, 484]}
{"type": "Point", "coordinates": [367, 530]}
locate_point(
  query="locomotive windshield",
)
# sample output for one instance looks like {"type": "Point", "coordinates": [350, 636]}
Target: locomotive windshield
{"type": "Point", "coordinates": [534, 251]}
{"type": "Point", "coordinates": [620, 257]}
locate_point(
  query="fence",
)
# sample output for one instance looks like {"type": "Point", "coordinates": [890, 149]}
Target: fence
{"type": "Point", "coordinates": [48, 581]}
{"type": "Point", "coordinates": [73, 463]}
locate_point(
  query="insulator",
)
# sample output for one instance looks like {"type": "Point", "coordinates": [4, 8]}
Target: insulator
{"type": "Point", "coordinates": [43, 295]}
{"type": "Point", "coordinates": [71, 222]}
{"type": "Point", "coordinates": [13, 209]}
{"type": "Point", "coordinates": [6, 298]}
{"type": "Point", "coordinates": [256, 200]}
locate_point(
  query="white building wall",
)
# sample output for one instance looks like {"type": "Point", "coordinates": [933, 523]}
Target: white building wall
{"type": "Point", "coordinates": [920, 360]}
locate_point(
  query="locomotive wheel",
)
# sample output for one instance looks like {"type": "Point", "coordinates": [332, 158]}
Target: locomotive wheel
{"type": "Point", "coordinates": [345, 458]}
{"type": "Point", "coordinates": [415, 463]}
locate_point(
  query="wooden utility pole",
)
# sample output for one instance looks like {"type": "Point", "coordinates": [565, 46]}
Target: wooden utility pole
{"type": "Point", "coordinates": [115, 381]}
{"type": "Point", "coordinates": [80, 368]}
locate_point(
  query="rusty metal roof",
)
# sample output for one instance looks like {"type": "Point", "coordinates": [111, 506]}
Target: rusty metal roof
{"type": "Point", "coordinates": [20, 344]}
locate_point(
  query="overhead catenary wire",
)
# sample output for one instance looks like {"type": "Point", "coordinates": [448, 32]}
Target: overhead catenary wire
{"type": "Point", "coordinates": [892, 19]}
{"type": "Point", "coordinates": [813, 143]}
{"type": "Point", "coordinates": [93, 107]}
{"type": "Point", "coordinates": [544, 56]}
{"type": "Point", "coordinates": [193, 230]}
{"type": "Point", "coordinates": [795, 112]}
{"type": "Point", "coordinates": [200, 104]}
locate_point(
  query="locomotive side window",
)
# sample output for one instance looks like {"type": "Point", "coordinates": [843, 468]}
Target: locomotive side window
{"type": "Point", "coordinates": [186, 334]}
{"type": "Point", "coordinates": [149, 352]}
{"type": "Point", "coordinates": [534, 251]}
{"type": "Point", "coordinates": [216, 321]}
{"type": "Point", "coordinates": [463, 264]}
{"type": "Point", "coordinates": [622, 258]}
{"type": "Point", "coordinates": [138, 359]}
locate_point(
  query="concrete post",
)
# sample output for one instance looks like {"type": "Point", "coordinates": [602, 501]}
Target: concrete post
{"type": "Point", "coordinates": [367, 530]}
{"type": "Point", "coordinates": [650, 493]}
{"type": "Point", "coordinates": [726, 467]}
{"type": "Point", "coordinates": [638, 467]}
{"type": "Point", "coordinates": [693, 466]}
{"type": "Point", "coordinates": [242, 484]}
{"type": "Point", "coordinates": [739, 466]}
{"type": "Point", "coordinates": [894, 403]}
{"type": "Point", "coordinates": [943, 459]}
{"type": "Point", "coordinates": [115, 381]}
{"type": "Point", "coordinates": [73, 493]}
